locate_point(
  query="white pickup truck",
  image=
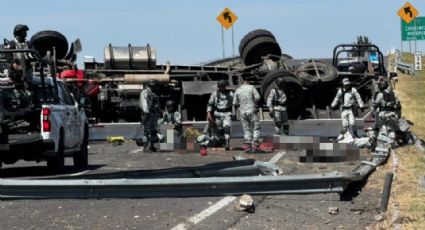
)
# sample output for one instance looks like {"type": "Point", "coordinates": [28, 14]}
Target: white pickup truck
{"type": "Point", "coordinates": [49, 129]}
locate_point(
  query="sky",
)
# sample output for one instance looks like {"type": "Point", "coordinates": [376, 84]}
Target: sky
{"type": "Point", "coordinates": [186, 31]}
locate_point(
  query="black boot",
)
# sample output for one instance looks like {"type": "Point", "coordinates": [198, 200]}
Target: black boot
{"type": "Point", "coordinates": [248, 148]}
{"type": "Point", "coordinates": [286, 129]}
{"type": "Point", "coordinates": [227, 144]}
{"type": "Point", "coordinates": [152, 147]}
{"type": "Point", "coordinates": [353, 131]}
{"type": "Point", "coordinates": [147, 147]}
{"type": "Point", "coordinates": [256, 147]}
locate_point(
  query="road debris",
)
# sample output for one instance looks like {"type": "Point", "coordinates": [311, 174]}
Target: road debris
{"type": "Point", "coordinates": [379, 217]}
{"type": "Point", "coordinates": [333, 210]}
{"type": "Point", "coordinates": [246, 203]}
{"type": "Point", "coordinates": [115, 140]}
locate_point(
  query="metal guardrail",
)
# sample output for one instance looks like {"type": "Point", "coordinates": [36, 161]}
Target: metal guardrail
{"type": "Point", "coordinates": [401, 66]}
{"type": "Point", "coordinates": [332, 182]}
{"type": "Point", "coordinates": [173, 187]}
{"type": "Point", "coordinates": [405, 68]}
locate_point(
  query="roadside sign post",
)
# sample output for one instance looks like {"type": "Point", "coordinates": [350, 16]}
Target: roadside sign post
{"type": "Point", "coordinates": [418, 67]}
{"type": "Point", "coordinates": [418, 61]}
{"type": "Point", "coordinates": [414, 30]}
{"type": "Point", "coordinates": [407, 14]}
{"type": "Point", "coordinates": [227, 18]}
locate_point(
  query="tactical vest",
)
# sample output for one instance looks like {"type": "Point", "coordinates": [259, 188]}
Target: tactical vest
{"type": "Point", "coordinates": [389, 101]}
{"type": "Point", "coordinates": [217, 99]}
{"type": "Point", "coordinates": [277, 97]}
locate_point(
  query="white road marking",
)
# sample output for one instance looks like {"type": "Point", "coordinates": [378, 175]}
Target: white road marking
{"type": "Point", "coordinates": [80, 173]}
{"type": "Point", "coordinates": [197, 218]}
{"type": "Point", "coordinates": [277, 157]}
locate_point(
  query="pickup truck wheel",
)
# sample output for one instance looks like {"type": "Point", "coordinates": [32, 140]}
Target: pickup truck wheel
{"type": "Point", "coordinates": [81, 160]}
{"type": "Point", "coordinates": [57, 162]}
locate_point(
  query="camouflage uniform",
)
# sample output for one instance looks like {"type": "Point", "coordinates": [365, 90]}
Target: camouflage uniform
{"type": "Point", "coordinates": [221, 104]}
{"type": "Point", "coordinates": [246, 98]}
{"type": "Point", "coordinates": [150, 108]}
{"type": "Point", "coordinates": [173, 118]}
{"type": "Point", "coordinates": [276, 102]}
{"type": "Point", "coordinates": [348, 98]}
{"type": "Point", "coordinates": [21, 43]}
{"type": "Point", "coordinates": [385, 104]}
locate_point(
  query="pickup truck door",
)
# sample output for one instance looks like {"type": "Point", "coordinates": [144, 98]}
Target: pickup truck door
{"type": "Point", "coordinates": [70, 116]}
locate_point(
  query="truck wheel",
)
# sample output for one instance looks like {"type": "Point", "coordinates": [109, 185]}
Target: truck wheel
{"type": "Point", "coordinates": [286, 57]}
{"type": "Point", "coordinates": [259, 47]}
{"type": "Point", "coordinates": [81, 158]}
{"type": "Point", "coordinates": [308, 77]}
{"type": "Point", "coordinates": [56, 163]}
{"type": "Point", "coordinates": [251, 35]}
{"type": "Point", "coordinates": [45, 40]}
{"type": "Point", "coordinates": [293, 90]}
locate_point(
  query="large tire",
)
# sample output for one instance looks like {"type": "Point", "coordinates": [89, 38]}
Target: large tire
{"type": "Point", "coordinates": [259, 47]}
{"type": "Point", "coordinates": [252, 35]}
{"type": "Point", "coordinates": [44, 41]}
{"type": "Point", "coordinates": [293, 90]}
{"type": "Point", "coordinates": [286, 57]}
{"type": "Point", "coordinates": [308, 77]}
{"type": "Point", "coordinates": [81, 159]}
{"type": "Point", "coordinates": [56, 163]}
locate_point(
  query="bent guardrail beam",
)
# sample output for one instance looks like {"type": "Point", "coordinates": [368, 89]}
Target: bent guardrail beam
{"type": "Point", "coordinates": [175, 187]}
{"type": "Point", "coordinates": [332, 182]}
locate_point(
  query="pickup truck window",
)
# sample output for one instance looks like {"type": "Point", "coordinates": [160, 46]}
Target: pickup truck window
{"type": "Point", "coordinates": [39, 96]}
{"type": "Point", "coordinates": [61, 95]}
{"type": "Point", "coordinates": [66, 95]}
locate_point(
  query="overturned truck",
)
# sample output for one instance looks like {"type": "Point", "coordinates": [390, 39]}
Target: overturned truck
{"type": "Point", "coordinates": [110, 89]}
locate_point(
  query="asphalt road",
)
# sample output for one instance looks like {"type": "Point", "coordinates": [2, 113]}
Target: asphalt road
{"type": "Point", "coordinates": [272, 212]}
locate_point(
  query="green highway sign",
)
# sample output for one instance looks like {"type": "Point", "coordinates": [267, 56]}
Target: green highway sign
{"type": "Point", "coordinates": [415, 30]}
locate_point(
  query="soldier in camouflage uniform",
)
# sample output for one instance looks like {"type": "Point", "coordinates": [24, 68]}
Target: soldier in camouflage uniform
{"type": "Point", "coordinates": [150, 108]}
{"type": "Point", "coordinates": [219, 110]}
{"type": "Point", "coordinates": [276, 102]}
{"type": "Point", "coordinates": [246, 99]}
{"type": "Point", "coordinates": [348, 97]}
{"type": "Point", "coordinates": [386, 106]}
{"type": "Point", "coordinates": [173, 117]}
{"type": "Point", "coordinates": [20, 42]}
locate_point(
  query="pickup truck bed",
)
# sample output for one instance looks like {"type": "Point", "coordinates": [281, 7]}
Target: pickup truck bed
{"type": "Point", "coordinates": [27, 147]}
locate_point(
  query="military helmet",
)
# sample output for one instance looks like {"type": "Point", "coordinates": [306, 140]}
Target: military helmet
{"type": "Point", "coordinates": [222, 83]}
{"type": "Point", "coordinates": [383, 85]}
{"type": "Point", "coordinates": [153, 83]}
{"type": "Point", "coordinates": [18, 28]}
{"type": "Point", "coordinates": [280, 82]}
{"type": "Point", "coordinates": [170, 103]}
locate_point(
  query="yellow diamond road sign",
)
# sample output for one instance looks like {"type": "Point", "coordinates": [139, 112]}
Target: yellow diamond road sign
{"type": "Point", "coordinates": [227, 18]}
{"type": "Point", "coordinates": [408, 12]}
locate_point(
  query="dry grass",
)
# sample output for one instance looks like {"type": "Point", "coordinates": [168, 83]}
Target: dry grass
{"type": "Point", "coordinates": [406, 191]}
